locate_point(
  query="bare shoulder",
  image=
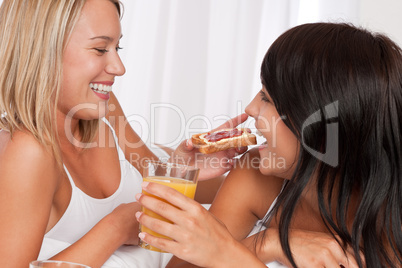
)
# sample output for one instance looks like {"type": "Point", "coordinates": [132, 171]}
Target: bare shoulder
{"type": "Point", "coordinates": [246, 171]}
{"type": "Point", "coordinates": [260, 190]}
{"type": "Point", "coordinates": [28, 182]}
{"type": "Point", "coordinates": [245, 196]}
{"type": "Point", "coordinates": [23, 154]}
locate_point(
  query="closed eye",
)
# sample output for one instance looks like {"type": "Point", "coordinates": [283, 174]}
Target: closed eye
{"type": "Point", "coordinates": [263, 96]}
{"type": "Point", "coordinates": [101, 51]}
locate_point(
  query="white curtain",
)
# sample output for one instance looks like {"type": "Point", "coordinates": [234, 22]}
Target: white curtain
{"type": "Point", "coordinates": [192, 64]}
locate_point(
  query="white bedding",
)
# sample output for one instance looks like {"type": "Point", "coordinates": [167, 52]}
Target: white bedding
{"type": "Point", "coordinates": [125, 256]}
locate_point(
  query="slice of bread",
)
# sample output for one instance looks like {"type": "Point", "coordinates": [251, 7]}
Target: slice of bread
{"type": "Point", "coordinates": [242, 137]}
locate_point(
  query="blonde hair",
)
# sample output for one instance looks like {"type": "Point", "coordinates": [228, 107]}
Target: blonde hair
{"type": "Point", "coordinates": [33, 35]}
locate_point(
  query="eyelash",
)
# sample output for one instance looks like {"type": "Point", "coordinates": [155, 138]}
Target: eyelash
{"type": "Point", "coordinates": [103, 51]}
{"type": "Point", "coordinates": [263, 97]}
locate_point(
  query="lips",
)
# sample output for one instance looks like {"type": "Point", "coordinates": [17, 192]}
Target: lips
{"type": "Point", "coordinates": [102, 90]}
{"type": "Point", "coordinates": [262, 146]}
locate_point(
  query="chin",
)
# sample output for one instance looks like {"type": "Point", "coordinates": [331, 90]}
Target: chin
{"type": "Point", "coordinates": [273, 165]}
{"type": "Point", "coordinates": [89, 111]}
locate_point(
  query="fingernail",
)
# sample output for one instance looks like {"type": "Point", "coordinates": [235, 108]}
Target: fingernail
{"type": "Point", "coordinates": [141, 235]}
{"type": "Point", "coordinates": [144, 184]}
{"type": "Point", "coordinates": [138, 215]}
{"type": "Point", "coordinates": [138, 196]}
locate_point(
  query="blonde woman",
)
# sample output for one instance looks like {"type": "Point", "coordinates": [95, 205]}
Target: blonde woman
{"type": "Point", "coordinates": [63, 171]}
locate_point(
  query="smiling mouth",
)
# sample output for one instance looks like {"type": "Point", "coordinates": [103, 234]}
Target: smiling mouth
{"type": "Point", "coordinates": [100, 88]}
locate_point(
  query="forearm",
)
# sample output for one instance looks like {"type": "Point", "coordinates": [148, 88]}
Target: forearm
{"type": "Point", "coordinates": [95, 247]}
{"type": "Point", "coordinates": [267, 250]}
{"type": "Point", "coordinates": [239, 256]}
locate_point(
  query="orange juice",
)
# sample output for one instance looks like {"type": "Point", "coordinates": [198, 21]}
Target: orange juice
{"type": "Point", "coordinates": [183, 186]}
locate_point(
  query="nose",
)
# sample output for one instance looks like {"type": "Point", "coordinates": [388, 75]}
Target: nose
{"type": "Point", "coordinates": [252, 107]}
{"type": "Point", "coordinates": [115, 66]}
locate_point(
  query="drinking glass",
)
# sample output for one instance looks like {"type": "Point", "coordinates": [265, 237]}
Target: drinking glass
{"type": "Point", "coordinates": [183, 178]}
{"type": "Point", "coordinates": [54, 264]}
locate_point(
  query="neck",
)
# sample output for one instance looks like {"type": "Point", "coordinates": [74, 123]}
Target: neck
{"type": "Point", "coordinates": [68, 130]}
{"type": "Point", "coordinates": [311, 198]}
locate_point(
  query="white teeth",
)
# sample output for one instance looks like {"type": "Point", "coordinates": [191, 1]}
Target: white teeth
{"type": "Point", "coordinates": [100, 88]}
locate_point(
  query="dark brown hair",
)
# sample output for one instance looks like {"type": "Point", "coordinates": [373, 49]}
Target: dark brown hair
{"type": "Point", "coordinates": [352, 80]}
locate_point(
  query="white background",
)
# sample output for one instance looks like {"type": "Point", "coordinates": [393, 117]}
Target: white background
{"type": "Point", "coordinates": [191, 64]}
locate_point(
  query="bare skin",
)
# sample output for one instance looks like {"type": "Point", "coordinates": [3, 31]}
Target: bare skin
{"type": "Point", "coordinates": [244, 198]}
{"type": "Point", "coordinates": [35, 191]}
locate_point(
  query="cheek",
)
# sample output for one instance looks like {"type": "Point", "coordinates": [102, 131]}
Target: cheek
{"type": "Point", "coordinates": [286, 142]}
{"type": "Point", "coordinates": [281, 155]}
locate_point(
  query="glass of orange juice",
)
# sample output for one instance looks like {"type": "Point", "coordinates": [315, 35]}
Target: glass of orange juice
{"type": "Point", "coordinates": [54, 264]}
{"type": "Point", "coordinates": [183, 178]}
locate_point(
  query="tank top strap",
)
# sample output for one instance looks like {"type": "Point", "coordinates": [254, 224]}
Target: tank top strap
{"type": "Point", "coordinates": [119, 150]}
{"type": "Point", "coordinates": [69, 177]}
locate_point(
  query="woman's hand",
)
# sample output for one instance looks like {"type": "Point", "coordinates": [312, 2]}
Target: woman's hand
{"type": "Point", "coordinates": [309, 249]}
{"type": "Point", "coordinates": [211, 165]}
{"type": "Point", "coordinates": [198, 236]}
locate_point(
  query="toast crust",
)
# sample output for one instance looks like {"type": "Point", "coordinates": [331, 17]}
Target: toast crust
{"type": "Point", "coordinates": [206, 147]}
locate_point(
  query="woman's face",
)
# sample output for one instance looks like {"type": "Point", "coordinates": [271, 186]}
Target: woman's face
{"type": "Point", "coordinates": [279, 152]}
{"type": "Point", "coordinates": [91, 61]}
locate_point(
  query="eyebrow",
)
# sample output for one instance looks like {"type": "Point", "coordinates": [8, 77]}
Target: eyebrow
{"type": "Point", "coordinates": [104, 37]}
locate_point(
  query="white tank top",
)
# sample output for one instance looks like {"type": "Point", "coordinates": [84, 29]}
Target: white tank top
{"type": "Point", "coordinates": [83, 211]}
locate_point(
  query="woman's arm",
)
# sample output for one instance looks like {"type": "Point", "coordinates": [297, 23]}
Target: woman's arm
{"type": "Point", "coordinates": [309, 249]}
{"type": "Point", "coordinates": [28, 181]}
{"type": "Point", "coordinates": [198, 236]}
{"type": "Point", "coordinates": [244, 197]}
{"type": "Point", "coordinates": [132, 145]}
{"type": "Point", "coordinates": [95, 247]}
{"type": "Point", "coordinates": [135, 150]}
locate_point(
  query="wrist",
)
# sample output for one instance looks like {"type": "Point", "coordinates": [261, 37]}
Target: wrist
{"type": "Point", "coordinates": [272, 248]}
{"type": "Point", "coordinates": [238, 256]}
{"type": "Point", "coordinates": [112, 228]}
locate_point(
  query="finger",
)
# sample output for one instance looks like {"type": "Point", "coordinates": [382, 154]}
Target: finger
{"type": "Point", "coordinates": [186, 146]}
{"type": "Point", "coordinates": [351, 259]}
{"type": "Point", "coordinates": [171, 195]}
{"type": "Point", "coordinates": [227, 154]}
{"type": "Point", "coordinates": [149, 222]}
{"type": "Point", "coordinates": [158, 207]}
{"type": "Point", "coordinates": [330, 261]}
{"type": "Point", "coordinates": [241, 150]}
{"type": "Point", "coordinates": [161, 243]}
{"type": "Point", "coordinates": [189, 145]}
{"type": "Point", "coordinates": [235, 121]}
{"type": "Point", "coordinates": [343, 260]}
